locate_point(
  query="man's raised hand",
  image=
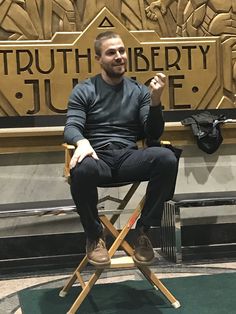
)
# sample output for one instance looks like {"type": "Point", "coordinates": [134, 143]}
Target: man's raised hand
{"type": "Point", "coordinates": [157, 85]}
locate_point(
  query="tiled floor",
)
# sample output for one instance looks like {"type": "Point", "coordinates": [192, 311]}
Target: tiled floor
{"type": "Point", "coordinates": [9, 302]}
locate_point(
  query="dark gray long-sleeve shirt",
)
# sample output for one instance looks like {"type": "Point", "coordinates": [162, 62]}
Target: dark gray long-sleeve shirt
{"type": "Point", "coordinates": [103, 113]}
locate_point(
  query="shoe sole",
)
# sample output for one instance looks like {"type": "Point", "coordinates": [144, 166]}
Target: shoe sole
{"type": "Point", "coordinates": [99, 265]}
{"type": "Point", "coordinates": [142, 262]}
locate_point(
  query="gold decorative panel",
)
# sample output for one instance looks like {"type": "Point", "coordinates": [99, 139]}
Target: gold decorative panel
{"type": "Point", "coordinates": [46, 47]}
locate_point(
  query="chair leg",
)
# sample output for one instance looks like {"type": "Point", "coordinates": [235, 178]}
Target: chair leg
{"type": "Point", "coordinates": [85, 291]}
{"type": "Point", "coordinates": [74, 277]}
{"type": "Point", "coordinates": [119, 241]}
{"type": "Point", "coordinates": [148, 274]}
{"type": "Point", "coordinates": [152, 278]}
{"type": "Point", "coordinates": [86, 287]}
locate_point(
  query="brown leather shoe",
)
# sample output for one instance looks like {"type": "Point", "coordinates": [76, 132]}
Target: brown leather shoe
{"type": "Point", "coordinates": [143, 250]}
{"type": "Point", "coordinates": [97, 253]}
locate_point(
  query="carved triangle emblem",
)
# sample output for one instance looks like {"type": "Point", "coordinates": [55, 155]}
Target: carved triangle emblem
{"type": "Point", "coordinates": [106, 23]}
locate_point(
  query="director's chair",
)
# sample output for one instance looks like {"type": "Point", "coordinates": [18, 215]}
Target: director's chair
{"type": "Point", "coordinates": [119, 241]}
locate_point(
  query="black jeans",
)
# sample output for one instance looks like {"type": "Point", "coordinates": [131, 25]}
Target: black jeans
{"type": "Point", "coordinates": [157, 165]}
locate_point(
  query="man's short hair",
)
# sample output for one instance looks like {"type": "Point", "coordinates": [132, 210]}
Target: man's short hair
{"type": "Point", "coordinates": [101, 37]}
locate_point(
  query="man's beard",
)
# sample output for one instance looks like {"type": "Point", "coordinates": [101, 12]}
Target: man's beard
{"type": "Point", "coordinates": [112, 74]}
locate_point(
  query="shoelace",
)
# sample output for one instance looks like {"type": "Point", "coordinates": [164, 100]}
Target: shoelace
{"type": "Point", "coordinates": [101, 243]}
{"type": "Point", "coordinates": [96, 245]}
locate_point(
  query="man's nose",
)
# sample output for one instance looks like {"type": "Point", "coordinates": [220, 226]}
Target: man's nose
{"type": "Point", "coordinates": [118, 55]}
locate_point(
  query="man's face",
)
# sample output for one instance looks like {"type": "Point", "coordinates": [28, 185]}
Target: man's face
{"type": "Point", "coordinates": [113, 57]}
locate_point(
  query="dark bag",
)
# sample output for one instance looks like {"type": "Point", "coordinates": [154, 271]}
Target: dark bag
{"type": "Point", "coordinates": [206, 128]}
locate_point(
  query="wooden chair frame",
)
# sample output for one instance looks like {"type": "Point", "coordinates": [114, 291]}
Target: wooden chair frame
{"type": "Point", "coordinates": [119, 241]}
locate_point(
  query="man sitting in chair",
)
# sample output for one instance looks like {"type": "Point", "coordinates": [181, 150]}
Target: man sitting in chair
{"type": "Point", "coordinates": [106, 115]}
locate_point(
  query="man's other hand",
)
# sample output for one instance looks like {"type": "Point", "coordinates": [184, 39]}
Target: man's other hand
{"type": "Point", "coordinates": [83, 149]}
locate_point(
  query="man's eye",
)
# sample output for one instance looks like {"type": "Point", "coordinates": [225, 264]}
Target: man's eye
{"type": "Point", "coordinates": [122, 51]}
{"type": "Point", "coordinates": [110, 53]}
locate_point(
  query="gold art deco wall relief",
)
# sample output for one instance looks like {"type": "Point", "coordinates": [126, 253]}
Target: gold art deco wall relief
{"type": "Point", "coordinates": [46, 47]}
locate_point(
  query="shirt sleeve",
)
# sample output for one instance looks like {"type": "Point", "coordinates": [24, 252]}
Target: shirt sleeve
{"type": "Point", "coordinates": [76, 114]}
{"type": "Point", "coordinates": [151, 116]}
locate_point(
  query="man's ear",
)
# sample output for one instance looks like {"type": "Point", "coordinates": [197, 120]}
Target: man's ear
{"type": "Point", "coordinates": [97, 57]}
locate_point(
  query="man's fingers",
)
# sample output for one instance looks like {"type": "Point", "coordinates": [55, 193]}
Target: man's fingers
{"type": "Point", "coordinates": [94, 155]}
{"type": "Point", "coordinates": [160, 78]}
{"type": "Point", "coordinates": [154, 83]}
{"type": "Point", "coordinates": [73, 162]}
{"type": "Point", "coordinates": [158, 81]}
{"type": "Point", "coordinates": [161, 75]}
{"type": "Point", "coordinates": [78, 159]}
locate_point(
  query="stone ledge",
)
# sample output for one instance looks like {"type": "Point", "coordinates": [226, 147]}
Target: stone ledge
{"type": "Point", "coordinates": [41, 139]}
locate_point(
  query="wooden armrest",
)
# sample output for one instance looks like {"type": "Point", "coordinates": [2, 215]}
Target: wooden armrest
{"type": "Point", "coordinates": [68, 146]}
{"type": "Point", "coordinates": [163, 142]}
{"type": "Point", "coordinates": [69, 150]}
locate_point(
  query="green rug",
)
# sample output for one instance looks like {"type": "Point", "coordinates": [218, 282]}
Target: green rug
{"type": "Point", "coordinates": [208, 294]}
